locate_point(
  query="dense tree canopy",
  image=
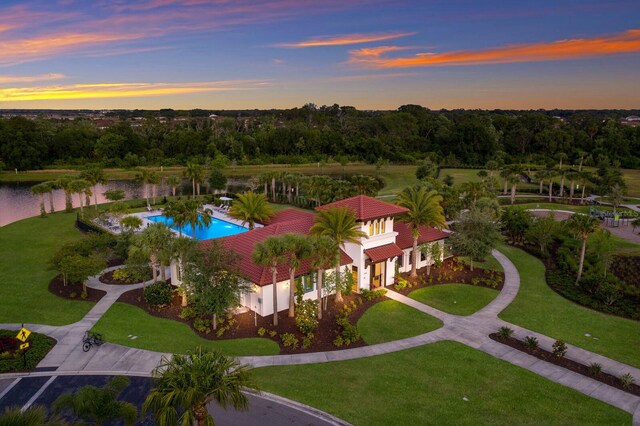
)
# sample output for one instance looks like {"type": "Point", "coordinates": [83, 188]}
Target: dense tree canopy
{"type": "Point", "coordinates": [311, 134]}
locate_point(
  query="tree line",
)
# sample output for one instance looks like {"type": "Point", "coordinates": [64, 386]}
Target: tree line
{"type": "Point", "coordinates": [312, 134]}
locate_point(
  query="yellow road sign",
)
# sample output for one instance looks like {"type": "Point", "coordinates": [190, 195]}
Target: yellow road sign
{"type": "Point", "coordinates": [23, 334]}
{"type": "Point", "coordinates": [24, 345]}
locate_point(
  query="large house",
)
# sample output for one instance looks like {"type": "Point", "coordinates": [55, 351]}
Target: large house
{"type": "Point", "coordinates": [374, 262]}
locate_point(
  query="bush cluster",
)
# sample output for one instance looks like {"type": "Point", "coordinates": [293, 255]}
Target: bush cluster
{"type": "Point", "coordinates": [374, 294]}
{"type": "Point", "coordinates": [158, 294]}
{"type": "Point", "coordinates": [12, 361]}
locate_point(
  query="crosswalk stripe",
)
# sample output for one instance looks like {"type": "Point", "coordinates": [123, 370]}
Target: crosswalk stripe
{"type": "Point", "coordinates": [37, 394]}
{"type": "Point", "coordinates": [8, 388]}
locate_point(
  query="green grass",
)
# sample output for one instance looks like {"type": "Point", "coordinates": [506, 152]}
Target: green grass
{"type": "Point", "coordinates": [391, 320]}
{"type": "Point", "coordinates": [632, 179]}
{"type": "Point", "coordinates": [26, 247]}
{"type": "Point", "coordinates": [456, 299]}
{"type": "Point", "coordinates": [426, 385]}
{"type": "Point", "coordinates": [569, 207]}
{"type": "Point", "coordinates": [164, 335]}
{"type": "Point", "coordinates": [461, 175]}
{"type": "Point", "coordinates": [539, 308]}
{"type": "Point", "coordinates": [490, 263]}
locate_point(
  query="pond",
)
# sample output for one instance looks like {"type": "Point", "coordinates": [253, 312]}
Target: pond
{"type": "Point", "coordinates": [17, 202]}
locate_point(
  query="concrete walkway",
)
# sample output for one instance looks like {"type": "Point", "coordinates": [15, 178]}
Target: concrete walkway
{"type": "Point", "coordinates": [67, 356]}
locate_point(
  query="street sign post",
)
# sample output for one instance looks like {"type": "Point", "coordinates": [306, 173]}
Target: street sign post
{"type": "Point", "coordinates": [23, 335]}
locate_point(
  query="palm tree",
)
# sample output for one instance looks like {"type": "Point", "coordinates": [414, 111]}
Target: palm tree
{"type": "Point", "coordinates": [271, 252]}
{"type": "Point", "coordinates": [193, 216]}
{"type": "Point", "coordinates": [340, 224]}
{"type": "Point", "coordinates": [51, 186]}
{"type": "Point", "coordinates": [561, 156]}
{"type": "Point", "coordinates": [80, 187]}
{"type": "Point", "coordinates": [35, 415]}
{"type": "Point", "coordinates": [297, 248]}
{"type": "Point", "coordinates": [324, 256]}
{"type": "Point", "coordinates": [572, 175]}
{"type": "Point", "coordinates": [473, 191]}
{"type": "Point", "coordinates": [64, 183]}
{"type": "Point", "coordinates": [550, 175]}
{"type": "Point", "coordinates": [99, 405]}
{"type": "Point", "coordinates": [186, 384]}
{"type": "Point", "coordinates": [181, 250]}
{"type": "Point", "coordinates": [582, 226]}
{"type": "Point", "coordinates": [424, 210]}
{"type": "Point", "coordinates": [540, 176]}
{"type": "Point", "coordinates": [514, 180]}
{"type": "Point", "coordinates": [195, 172]}
{"type": "Point", "coordinates": [94, 175]}
{"type": "Point", "coordinates": [504, 174]}
{"type": "Point", "coordinates": [583, 178]}
{"type": "Point", "coordinates": [131, 224]}
{"type": "Point", "coordinates": [177, 212]}
{"type": "Point", "coordinates": [41, 189]}
{"type": "Point", "coordinates": [174, 182]}
{"type": "Point", "coordinates": [250, 208]}
{"type": "Point", "coordinates": [146, 177]}
{"type": "Point", "coordinates": [616, 196]}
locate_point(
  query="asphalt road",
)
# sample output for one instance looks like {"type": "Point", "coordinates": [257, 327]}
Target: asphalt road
{"type": "Point", "coordinates": [44, 390]}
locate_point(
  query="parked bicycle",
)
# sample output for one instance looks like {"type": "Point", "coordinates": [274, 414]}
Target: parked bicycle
{"type": "Point", "coordinates": [90, 339]}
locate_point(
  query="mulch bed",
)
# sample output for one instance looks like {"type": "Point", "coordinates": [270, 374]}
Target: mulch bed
{"type": "Point", "coordinates": [247, 323]}
{"type": "Point", "coordinates": [116, 261]}
{"type": "Point", "coordinates": [73, 291]}
{"type": "Point", "coordinates": [107, 278]}
{"type": "Point", "coordinates": [566, 363]}
{"type": "Point", "coordinates": [452, 272]}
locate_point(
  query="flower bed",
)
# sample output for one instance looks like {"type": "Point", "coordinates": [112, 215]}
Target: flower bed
{"type": "Point", "coordinates": [11, 358]}
{"type": "Point", "coordinates": [569, 364]}
{"type": "Point", "coordinates": [121, 277]}
{"type": "Point", "coordinates": [451, 271]}
{"type": "Point", "coordinates": [248, 324]}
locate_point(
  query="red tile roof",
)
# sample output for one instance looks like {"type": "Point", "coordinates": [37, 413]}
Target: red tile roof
{"type": "Point", "coordinates": [244, 244]}
{"type": "Point", "coordinates": [367, 208]}
{"type": "Point", "coordinates": [405, 238]}
{"type": "Point", "coordinates": [378, 254]}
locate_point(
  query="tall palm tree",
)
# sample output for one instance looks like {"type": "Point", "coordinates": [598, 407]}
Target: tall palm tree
{"type": "Point", "coordinates": [94, 175]}
{"type": "Point", "coordinates": [504, 174]}
{"type": "Point", "coordinates": [64, 183]}
{"type": "Point", "coordinates": [80, 187]}
{"type": "Point", "coordinates": [551, 174]}
{"type": "Point", "coordinates": [130, 224]}
{"type": "Point", "coordinates": [193, 216]}
{"type": "Point", "coordinates": [340, 224]}
{"type": "Point", "coordinates": [514, 180]}
{"type": "Point", "coordinates": [173, 182]}
{"type": "Point", "coordinates": [582, 226]}
{"type": "Point", "coordinates": [540, 176]}
{"type": "Point", "coordinates": [425, 209]}
{"type": "Point", "coordinates": [250, 208]}
{"type": "Point", "coordinates": [325, 255]}
{"type": "Point", "coordinates": [41, 189]}
{"type": "Point", "coordinates": [177, 212]}
{"type": "Point", "coordinates": [51, 186]}
{"type": "Point", "coordinates": [153, 179]}
{"type": "Point", "coordinates": [186, 384]}
{"type": "Point", "coordinates": [583, 178]}
{"type": "Point", "coordinates": [195, 172]}
{"type": "Point", "coordinates": [181, 251]}
{"type": "Point", "coordinates": [473, 191]}
{"type": "Point", "coordinates": [271, 252]}
{"type": "Point", "coordinates": [97, 405]}
{"type": "Point", "coordinates": [561, 157]}
{"type": "Point", "coordinates": [297, 249]}
{"type": "Point", "coordinates": [572, 175]}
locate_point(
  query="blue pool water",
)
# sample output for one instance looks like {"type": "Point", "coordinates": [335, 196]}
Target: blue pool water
{"type": "Point", "coordinates": [217, 229]}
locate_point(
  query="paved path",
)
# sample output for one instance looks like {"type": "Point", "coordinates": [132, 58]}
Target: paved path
{"type": "Point", "coordinates": [68, 357]}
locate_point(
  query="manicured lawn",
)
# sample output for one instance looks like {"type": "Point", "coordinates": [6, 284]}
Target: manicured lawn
{"type": "Point", "coordinates": [632, 179]}
{"type": "Point", "coordinates": [163, 335]}
{"type": "Point", "coordinates": [539, 308]}
{"type": "Point", "coordinates": [26, 247]}
{"type": "Point", "coordinates": [426, 385]}
{"type": "Point", "coordinates": [461, 176]}
{"type": "Point", "coordinates": [391, 320]}
{"type": "Point", "coordinates": [456, 299]}
{"type": "Point", "coordinates": [490, 263]}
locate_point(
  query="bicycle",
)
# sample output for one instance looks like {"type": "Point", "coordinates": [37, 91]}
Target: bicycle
{"type": "Point", "coordinates": [90, 339]}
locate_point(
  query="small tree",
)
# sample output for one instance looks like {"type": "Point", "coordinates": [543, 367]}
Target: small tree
{"type": "Point", "coordinates": [213, 285]}
{"type": "Point", "coordinates": [616, 196]}
{"type": "Point", "coordinates": [582, 226]}
{"type": "Point", "coordinates": [173, 182]}
{"type": "Point", "coordinates": [476, 234]}
{"type": "Point", "coordinates": [97, 405]}
{"type": "Point", "coordinates": [217, 180]}
{"type": "Point", "coordinates": [516, 222]}
{"type": "Point", "coordinates": [76, 268]}
{"type": "Point", "coordinates": [542, 232]}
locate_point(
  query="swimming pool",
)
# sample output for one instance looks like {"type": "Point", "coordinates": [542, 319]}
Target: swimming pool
{"type": "Point", "coordinates": [217, 229]}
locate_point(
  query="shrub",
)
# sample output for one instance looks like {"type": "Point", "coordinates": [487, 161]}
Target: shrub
{"type": "Point", "coordinates": [13, 361]}
{"type": "Point", "coordinates": [272, 333]}
{"type": "Point", "coordinates": [289, 339]}
{"type": "Point", "coordinates": [595, 369]}
{"type": "Point", "coordinates": [338, 341]}
{"type": "Point", "coordinates": [626, 380]}
{"type": "Point", "coordinates": [188, 313]}
{"type": "Point", "coordinates": [531, 343]}
{"type": "Point", "coordinates": [373, 294]}
{"type": "Point", "coordinates": [122, 274]}
{"type": "Point", "coordinates": [158, 294]}
{"type": "Point", "coordinates": [401, 284]}
{"type": "Point", "coordinates": [307, 316]}
{"type": "Point", "coordinates": [261, 331]}
{"type": "Point", "coordinates": [222, 330]}
{"type": "Point", "coordinates": [559, 349]}
{"type": "Point", "coordinates": [307, 340]}
{"type": "Point", "coordinates": [202, 325]}
{"type": "Point", "coordinates": [505, 332]}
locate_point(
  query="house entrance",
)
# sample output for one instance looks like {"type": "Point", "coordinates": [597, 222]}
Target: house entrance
{"type": "Point", "coordinates": [377, 274]}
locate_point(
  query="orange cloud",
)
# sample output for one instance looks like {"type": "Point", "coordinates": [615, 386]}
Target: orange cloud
{"type": "Point", "coordinates": [47, 45]}
{"type": "Point", "coordinates": [122, 90]}
{"type": "Point", "coordinates": [342, 40]}
{"type": "Point", "coordinates": [626, 42]}
{"type": "Point", "coordinates": [4, 79]}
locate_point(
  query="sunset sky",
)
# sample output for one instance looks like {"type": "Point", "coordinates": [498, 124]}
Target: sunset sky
{"type": "Point", "coordinates": [226, 54]}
